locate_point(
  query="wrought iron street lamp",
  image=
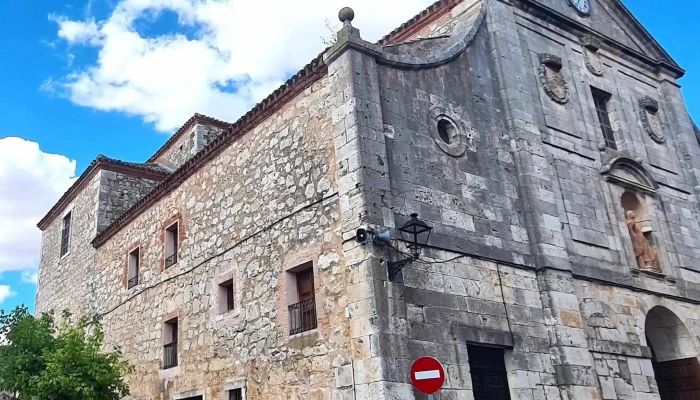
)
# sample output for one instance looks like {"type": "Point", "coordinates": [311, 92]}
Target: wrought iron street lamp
{"type": "Point", "coordinates": [415, 233]}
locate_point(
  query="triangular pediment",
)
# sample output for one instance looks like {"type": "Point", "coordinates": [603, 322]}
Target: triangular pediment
{"type": "Point", "coordinates": [630, 174]}
{"type": "Point", "coordinates": [614, 23]}
{"type": "Point", "coordinates": [626, 28]}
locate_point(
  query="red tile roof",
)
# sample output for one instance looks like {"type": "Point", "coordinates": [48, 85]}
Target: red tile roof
{"type": "Point", "coordinates": [146, 171]}
{"type": "Point", "coordinates": [311, 73]}
{"type": "Point", "coordinates": [196, 118]}
{"type": "Point", "coordinates": [420, 21]}
{"type": "Point", "coordinates": [295, 85]}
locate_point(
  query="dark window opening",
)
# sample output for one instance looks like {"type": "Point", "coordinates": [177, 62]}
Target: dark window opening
{"type": "Point", "coordinates": [65, 234]}
{"type": "Point", "coordinates": [446, 130]}
{"type": "Point", "coordinates": [488, 371]}
{"type": "Point", "coordinates": [302, 314]}
{"type": "Point", "coordinates": [235, 394]}
{"type": "Point", "coordinates": [133, 271]}
{"type": "Point", "coordinates": [226, 296]}
{"type": "Point", "coordinates": [171, 244]}
{"type": "Point", "coordinates": [601, 99]}
{"type": "Point", "coordinates": [170, 346]}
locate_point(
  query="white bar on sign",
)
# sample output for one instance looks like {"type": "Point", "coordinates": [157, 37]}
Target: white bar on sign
{"type": "Point", "coordinates": [434, 374]}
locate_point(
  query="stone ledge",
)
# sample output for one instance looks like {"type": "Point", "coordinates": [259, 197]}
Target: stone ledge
{"type": "Point", "coordinates": [484, 337]}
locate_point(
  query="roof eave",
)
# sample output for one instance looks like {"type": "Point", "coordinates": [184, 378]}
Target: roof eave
{"type": "Point", "coordinates": [100, 163]}
{"type": "Point", "coordinates": [195, 119]}
{"type": "Point", "coordinates": [308, 75]}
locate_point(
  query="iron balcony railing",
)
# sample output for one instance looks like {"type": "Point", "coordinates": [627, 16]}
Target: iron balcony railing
{"type": "Point", "coordinates": [170, 261]}
{"type": "Point", "coordinates": [170, 355]}
{"type": "Point", "coordinates": [302, 316]}
{"type": "Point", "coordinates": [132, 282]}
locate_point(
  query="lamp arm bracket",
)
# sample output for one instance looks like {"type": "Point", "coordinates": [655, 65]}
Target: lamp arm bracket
{"type": "Point", "coordinates": [396, 266]}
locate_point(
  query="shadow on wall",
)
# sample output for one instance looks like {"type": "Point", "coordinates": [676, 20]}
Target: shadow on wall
{"type": "Point", "coordinates": [667, 336]}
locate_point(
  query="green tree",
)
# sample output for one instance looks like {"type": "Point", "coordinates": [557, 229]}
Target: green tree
{"type": "Point", "coordinates": [44, 360]}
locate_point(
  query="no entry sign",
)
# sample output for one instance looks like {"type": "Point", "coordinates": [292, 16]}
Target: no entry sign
{"type": "Point", "coordinates": [427, 375]}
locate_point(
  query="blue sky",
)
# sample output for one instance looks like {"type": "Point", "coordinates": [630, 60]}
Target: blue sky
{"type": "Point", "coordinates": [78, 81]}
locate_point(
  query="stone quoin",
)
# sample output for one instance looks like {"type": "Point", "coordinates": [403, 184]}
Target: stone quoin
{"type": "Point", "coordinates": [531, 136]}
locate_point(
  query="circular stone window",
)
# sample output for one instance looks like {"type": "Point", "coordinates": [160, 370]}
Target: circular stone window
{"type": "Point", "coordinates": [449, 131]}
{"type": "Point", "coordinates": [446, 129]}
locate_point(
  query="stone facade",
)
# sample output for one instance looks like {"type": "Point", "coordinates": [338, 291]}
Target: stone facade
{"type": "Point", "coordinates": [480, 116]}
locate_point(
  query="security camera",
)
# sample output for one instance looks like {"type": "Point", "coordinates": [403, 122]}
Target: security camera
{"type": "Point", "coordinates": [362, 236]}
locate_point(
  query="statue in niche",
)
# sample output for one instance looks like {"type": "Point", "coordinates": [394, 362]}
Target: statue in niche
{"type": "Point", "coordinates": [646, 255]}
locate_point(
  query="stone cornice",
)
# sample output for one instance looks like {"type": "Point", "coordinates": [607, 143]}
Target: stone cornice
{"type": "Point", "coordinates": [420, 21]}
{"type": "Point", "coordinates": [664, 64]}
{"type": "Point", "coordinates": [449, 49]}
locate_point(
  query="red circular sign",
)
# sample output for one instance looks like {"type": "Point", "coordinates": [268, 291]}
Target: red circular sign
{"type": "Point", "coordinates": [427, 375]}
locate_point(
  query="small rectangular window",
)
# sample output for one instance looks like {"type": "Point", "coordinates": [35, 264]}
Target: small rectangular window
{"type": "Point", "coordinates": [171, 244]}
{"type": "Point", "coordinates": [302, 312]}
{"type": "Point", "coordinates": [235, 394]}
{"type": "Point", "coordinates": [226, 296]}
{"type": "Point", "coordinates": [170, 346]}
{"type": "Point", "coordinates": [133, 271]}
{"type": "Point", "coordinates": [601, 99]}
{"type": "Point", "coordinates": [65, 234]}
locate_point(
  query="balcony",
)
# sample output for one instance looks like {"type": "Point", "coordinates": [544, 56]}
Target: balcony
{"type": "Point", "coordinates": [132, 282]}
{"type": "Point", "coordinates": [170, 261]}
{"type": "Point", "coordinates": [302, 316]}
{"type": "Point", "coordinates": [170, 355]}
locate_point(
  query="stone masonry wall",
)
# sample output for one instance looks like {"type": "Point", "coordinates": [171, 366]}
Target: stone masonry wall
{"type": "Point", "coordinates": [118, 192]}
{"type": "Point", "coordinates": [468, 300]}
{"type": "Point", "coordinates": [268, 197]}
{"type": "Point", "coordinates": [529, 253]}
{"type": "Point", "coordinates": [189, 144]}
{"type": "Point", "coordinates": [471, 200]}
{"type": "Point", "coordinates": [62, 283]}
{"type": "Point", "coordinates": [593, 221]}
{"type": "Point", "coordinates": [615, 320]}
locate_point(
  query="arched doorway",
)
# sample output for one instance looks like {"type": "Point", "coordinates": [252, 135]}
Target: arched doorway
{"type": "Point", "coordinates": [674, 356]}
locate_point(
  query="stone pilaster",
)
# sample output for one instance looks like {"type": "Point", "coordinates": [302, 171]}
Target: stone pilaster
{"type": "Point", "coordinates": [681, 129]}
{"type": "Point", "coordinates": [568, 346]}
{"type": "Point", "coordinates": [365, 201]}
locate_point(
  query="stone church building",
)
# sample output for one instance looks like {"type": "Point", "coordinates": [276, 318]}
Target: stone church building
{"type": "Point", "coordinates": [545, 142]}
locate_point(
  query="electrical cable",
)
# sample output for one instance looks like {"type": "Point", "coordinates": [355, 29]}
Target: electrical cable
{"type": "Point", "coordinates": [208, 259]}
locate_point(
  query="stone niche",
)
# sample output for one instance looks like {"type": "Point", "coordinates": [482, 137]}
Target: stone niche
{"type": "Point", "coordinates": [633, 183]}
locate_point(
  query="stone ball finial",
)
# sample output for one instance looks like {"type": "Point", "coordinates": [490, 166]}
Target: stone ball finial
{"type": "Point", "coordinates": [346, 15]}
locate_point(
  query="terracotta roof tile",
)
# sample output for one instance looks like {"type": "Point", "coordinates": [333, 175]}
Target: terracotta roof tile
{"type": "Point", "coordinates": [295, 85]}
{"type": "Point", "coordinates": [197, 117]}
{"type": "Point", "coordinates": [143, 170]}
{"type": "Point", "coordinates": [418, 22]}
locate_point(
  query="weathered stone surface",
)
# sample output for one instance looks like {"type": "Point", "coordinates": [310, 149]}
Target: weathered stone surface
{"type": "Point", "coordinates": [529, 251]}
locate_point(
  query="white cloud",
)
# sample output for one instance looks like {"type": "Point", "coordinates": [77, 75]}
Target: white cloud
{"type": "Point", "coordinates": [6, 292]}
{"type": "Point", "coordinates": [76, 32]}
{"type": "Point", "coordinates": [252, 45]}
{"type": "Point", "coordinates": [30, 276]}
{"type": "Point", "coordinates": [30, 183]}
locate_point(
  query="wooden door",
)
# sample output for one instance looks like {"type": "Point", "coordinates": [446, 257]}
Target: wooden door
{"type": "Point", "coordinates": [678, 379]}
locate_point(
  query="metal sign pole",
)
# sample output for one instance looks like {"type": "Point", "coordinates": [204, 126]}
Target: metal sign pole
{"type": "Point", "coordinates": [430, 397]}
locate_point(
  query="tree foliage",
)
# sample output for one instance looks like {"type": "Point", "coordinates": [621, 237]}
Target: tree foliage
{"type": "Point", "coordinates": [41, 359]}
